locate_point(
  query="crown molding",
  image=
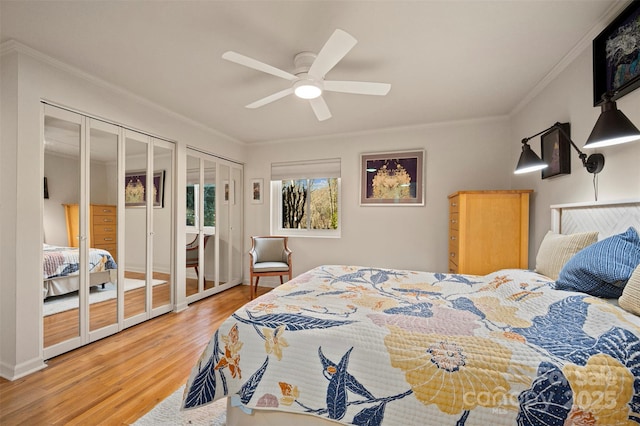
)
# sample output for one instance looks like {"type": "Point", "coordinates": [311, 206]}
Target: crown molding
{"type": "Point", "coordinates": [11, 46]}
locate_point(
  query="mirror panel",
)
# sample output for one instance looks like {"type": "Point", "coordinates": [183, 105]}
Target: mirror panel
{"type": "Point", "coordinates": [224, 234]}
{"type": "Point", "coordinates": [236, 227]}
{"type": "Point", "coordinates": [193, 225]}
{"type": "Point", "coordinates": [61, 226]}
{"type": "Point", "coordinates": [162, 224]}
{"type": "Point", "coordinates": [103, 226]}
{"type": "Point", "coordinates": [209, 222]}
{"type": "Point", "coordinates": [135, 261]}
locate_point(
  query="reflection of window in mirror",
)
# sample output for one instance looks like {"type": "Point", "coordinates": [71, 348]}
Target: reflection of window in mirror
{"type": "Point", "coordinates": [192, 204]}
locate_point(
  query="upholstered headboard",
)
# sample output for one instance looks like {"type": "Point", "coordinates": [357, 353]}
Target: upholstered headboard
{"type": "Point", "coordinates": [606, 217]}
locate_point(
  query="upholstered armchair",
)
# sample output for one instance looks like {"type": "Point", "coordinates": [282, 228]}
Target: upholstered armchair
{"type": "Point", "coordinates": [269, 256]}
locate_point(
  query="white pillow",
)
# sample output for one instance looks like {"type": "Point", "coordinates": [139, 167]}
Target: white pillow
{"type": "Point", "coordinates": [556, 249]}
{"type": "Point", "coordinates": [630, 299]}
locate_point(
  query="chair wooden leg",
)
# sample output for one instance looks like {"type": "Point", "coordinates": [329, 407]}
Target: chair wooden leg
{"type": "Point", "coordinates": [196, 268]}
{"type": "Point", "coordinates": [254, 288]}
{"type": "Point", "coordinates": [281, 282]}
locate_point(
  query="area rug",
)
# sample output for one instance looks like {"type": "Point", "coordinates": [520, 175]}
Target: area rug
{"type": "Point", "coordinates": [167, 412]}
{"type": "Point", "coordinates": [66, 302]}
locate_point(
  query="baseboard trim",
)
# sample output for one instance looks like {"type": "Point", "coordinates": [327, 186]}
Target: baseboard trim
{"type": "Point", "coordinates": [15, 372]}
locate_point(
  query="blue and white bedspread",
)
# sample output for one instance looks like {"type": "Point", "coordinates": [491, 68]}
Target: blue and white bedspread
{"type": "Point", "coordinates": [372, 346]}
{"type": "Point", "coordinates": [63, 261]}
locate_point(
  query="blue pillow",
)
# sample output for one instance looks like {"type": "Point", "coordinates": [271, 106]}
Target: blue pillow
{"type": "Point", "coordinates": [603, 268]}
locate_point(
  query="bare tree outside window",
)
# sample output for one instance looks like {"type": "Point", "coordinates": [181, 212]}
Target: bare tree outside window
{"type": "Point", "coordinates": [310, 204]}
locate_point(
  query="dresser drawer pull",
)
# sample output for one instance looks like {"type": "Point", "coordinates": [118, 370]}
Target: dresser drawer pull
{"type": "Point", "coordinates": [453, 254]}
{"type": "Point", "coordinates": [453, 238]}
{"type": "Point", "coordinates": [107, 220]}
{"type": "Point", "coordinates": [454, 221]}
{"type": "Point", "coordinates": [107, 229]}
{"type": "Point", "coordinates": [107, 211]}
{"type": "Point", "coordinates": [454, 204]}
{"type": "Point", "coordinates": [107, 239]}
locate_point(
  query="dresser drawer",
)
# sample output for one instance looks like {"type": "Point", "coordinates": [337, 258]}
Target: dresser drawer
{"type": "Point", "coordinates": [100, 230]}
{"type": "Point", "coordinates": [104, 219]}
{"type": "Point", "coordinates": [103, 210]}
{"type": "Point", "coordinates": [103, 239]}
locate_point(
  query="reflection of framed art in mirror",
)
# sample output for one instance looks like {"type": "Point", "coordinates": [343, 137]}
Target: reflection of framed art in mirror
{"type": "Point", "coordinates": [135, 183]}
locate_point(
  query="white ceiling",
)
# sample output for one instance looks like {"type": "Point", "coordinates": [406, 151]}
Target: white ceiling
{"type": "Point", "coordinates": [446, 60]}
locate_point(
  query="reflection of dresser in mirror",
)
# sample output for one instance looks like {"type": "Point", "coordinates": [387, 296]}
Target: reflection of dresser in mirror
{"type": "Point", "coordinates": [103, 229]}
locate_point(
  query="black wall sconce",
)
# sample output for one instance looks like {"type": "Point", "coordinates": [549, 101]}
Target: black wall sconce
{"type": "Point", "coordinates": [530, 162]}
{"type": "Point", "coordinates": [612, 128]}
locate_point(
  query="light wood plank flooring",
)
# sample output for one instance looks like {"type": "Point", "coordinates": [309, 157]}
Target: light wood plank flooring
{"type": "Point", "coordinates": [118, 379]}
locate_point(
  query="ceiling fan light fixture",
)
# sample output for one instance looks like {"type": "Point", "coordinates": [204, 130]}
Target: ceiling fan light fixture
{"type": "Point", "coordinates": [307, 89]}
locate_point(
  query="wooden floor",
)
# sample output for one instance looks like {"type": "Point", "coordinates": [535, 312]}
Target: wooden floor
{"type": "Point", "coordinates": [118, 379]}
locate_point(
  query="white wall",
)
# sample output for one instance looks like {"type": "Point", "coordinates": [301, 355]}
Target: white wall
{"type": "Point", "coordinates": [569, 98]}
{"type": "Point", "coordinates": [459, 156]}
{"type": "Point", "coordinates": [27, 78]}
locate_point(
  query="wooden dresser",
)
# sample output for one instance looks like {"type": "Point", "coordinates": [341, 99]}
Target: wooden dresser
{"type": "Point", "coordinates": [103, 227]}
{"type": "Point", "coordinates": [488, 230]}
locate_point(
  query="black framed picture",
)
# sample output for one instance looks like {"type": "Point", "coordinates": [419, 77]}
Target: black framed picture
{"type": "Point", "coordinates": [556, 152]}
{"type": "Point", "coordinates": [616, 56]}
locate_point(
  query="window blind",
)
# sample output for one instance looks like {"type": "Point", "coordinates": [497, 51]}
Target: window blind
{"type": "Point", "coordinates": [310, 169]}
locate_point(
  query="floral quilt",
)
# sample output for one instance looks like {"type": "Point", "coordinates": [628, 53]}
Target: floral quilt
{"type": "Point", "coordinates": [63, 261]}
{"type": "Point", "coordinates": [372, 346]}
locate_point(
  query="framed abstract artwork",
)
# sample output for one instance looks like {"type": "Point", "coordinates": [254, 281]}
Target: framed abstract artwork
{"type": "Point", "coordinates": [616, 56]}
{"type": "Point", "coordinates": [392, 178]}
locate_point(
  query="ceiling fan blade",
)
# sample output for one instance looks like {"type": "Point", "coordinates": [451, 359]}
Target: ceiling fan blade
{"type": "Point", "coordinates": [257, 65]}
{"type": "Point", "coordinates": [320, 108]}
{"type": "Point", "coordinates": [271, 98]}
{"type": "Point", "coordinates": [338, 45]}
{"type": "Point", "coordinates": [357, 87]}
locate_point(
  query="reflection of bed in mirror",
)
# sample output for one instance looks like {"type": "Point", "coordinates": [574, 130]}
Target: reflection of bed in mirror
{"type": "Point", "coordinates": [61, 264]}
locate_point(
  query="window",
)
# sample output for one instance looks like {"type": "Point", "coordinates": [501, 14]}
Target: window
{"type": "Point", "coordinates": [306, 198]}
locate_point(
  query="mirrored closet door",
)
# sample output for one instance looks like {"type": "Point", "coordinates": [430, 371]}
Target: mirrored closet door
{"type": "Point", "coordinates": [108, 229]}
{"type": "Point", "coordinates": [213, 225]}
{"type": "Point", "coordinates": [80, 230]}
{"type": "Point", "coordinates": [148, 226]}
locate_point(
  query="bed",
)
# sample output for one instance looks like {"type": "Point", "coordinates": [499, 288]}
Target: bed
{"type": "Point", "coordinates": [61, 264]}
{"type": "Point", "coordinates": [375, 346]}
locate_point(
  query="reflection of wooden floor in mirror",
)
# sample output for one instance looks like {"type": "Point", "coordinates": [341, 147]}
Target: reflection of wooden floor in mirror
{"type": "Point", "coordinates": [192, 286]}
{"type": "Point", "coordinates": [65, 325]}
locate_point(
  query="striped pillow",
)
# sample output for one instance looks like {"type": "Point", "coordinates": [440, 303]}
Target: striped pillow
{"type": "Point", "coordinates": [556, 249]}
{"type": "Point", "coordinates": [630, 299]}
{"type": "Point", "coordinates": [603, 268]}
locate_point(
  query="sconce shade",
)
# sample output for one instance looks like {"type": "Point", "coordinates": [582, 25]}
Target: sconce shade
{"type": "Point", "coordinates": [529, 161]}
{"type": "Point", "coordinates": [612, 128]}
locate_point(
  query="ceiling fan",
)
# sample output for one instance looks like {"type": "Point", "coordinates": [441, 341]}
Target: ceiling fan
{"type": "Point", "coordinates": [308, 76]}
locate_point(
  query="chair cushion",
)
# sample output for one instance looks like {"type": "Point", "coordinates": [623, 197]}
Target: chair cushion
{"type": "Point", "coordinates": [269, 250]}
{"type": "Point", "coordinates": [270, 267]}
